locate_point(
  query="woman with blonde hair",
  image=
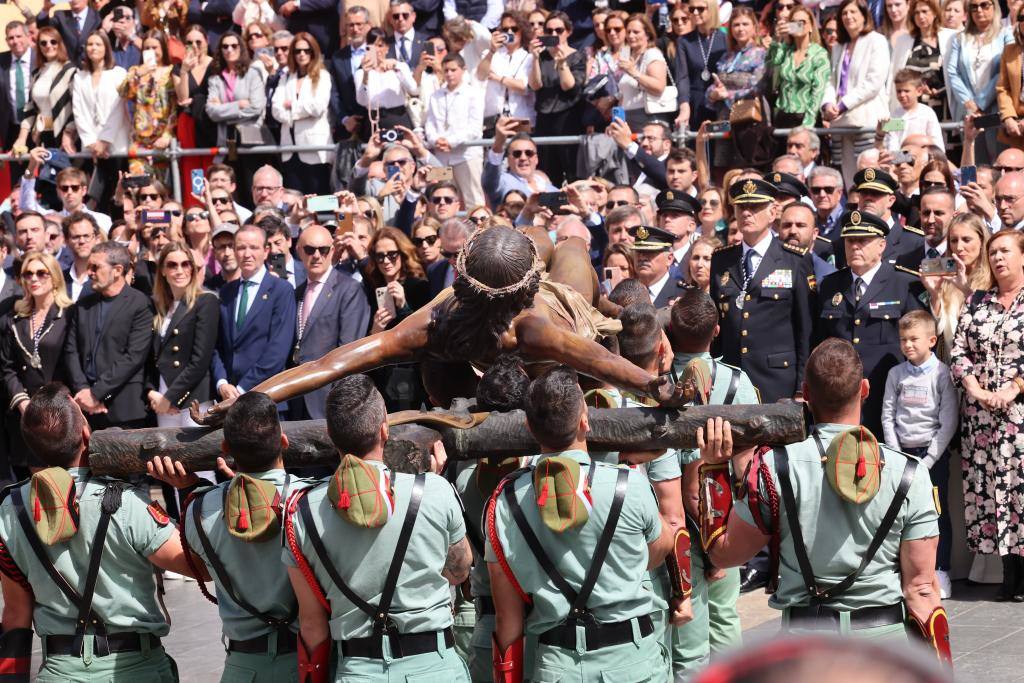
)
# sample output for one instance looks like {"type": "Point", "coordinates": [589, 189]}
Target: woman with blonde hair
{"type": "Point", "coordinates": [185, 325]}
{"type": "Point", "coordinates": [370, 208]}
{"type": "Point", "coordinates": [698, 262]}
{"type": "Point", "coordinates": [32, 345]}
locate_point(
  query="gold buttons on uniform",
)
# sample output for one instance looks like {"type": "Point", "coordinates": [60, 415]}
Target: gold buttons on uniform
{"type": "Point", "coordinates": [856, 321]}
{"type": "Point", "coordinates": [776, 297]}
{"type": "Point", "coordinates": [175, 349]}
{"type": "Point", "coordinates": [785, 363]}
{"type": "Point", "coordinates": [176, 364]}
{"type": "Point", "coordinates": [748, 297]}
{"type": "Point", "coordinates": [746, 314]}
{"type": "Point", "coordinates": [743, 350]}
{"type": "Point", "coordinates": [886, 317]}
{"type": "Point", "coordinates": [743, 333]}
{"type": "Point", "coordinates": [174, 331]}
{"type": "Point", "coordinates": [856, 340]}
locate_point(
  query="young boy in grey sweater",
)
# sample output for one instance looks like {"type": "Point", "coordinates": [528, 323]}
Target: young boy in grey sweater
{"type": "Point", "coordinates": [920, 411]}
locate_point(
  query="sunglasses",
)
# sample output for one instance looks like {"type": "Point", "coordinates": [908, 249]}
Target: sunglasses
{"type": "Point", "coordinates": [253, 36]}
{"type": "Point", "coordinates": [830, 31]}
{"type": "Point", "coordinates": [478, 220]}
{"type": "Point", "coordinates": [449, 254]}
{"type": "Point", "coordinates": [508, 29]}
{"type": "Point", "coordinates": [309, 250]}
{"type": "Point", "coordinates": [520, 153]}
{"type": "Point", "coordinates": [928, 184]}
{"type": "Point", "coordinates": [280, 48]}
{"type": "Point", "coordinates": [178, 265]}
{"type": "Point", "coordinates": [429, 240]}
{"type": "Point", "coordinates": [615, 29]}
{"type": "Point", "coordinates": [230, 46]}
{"type": "Point", "coordinates": [980, 6]}
{"type": "Point", "coordinates": [302, 51]}
{"type": "Point", "coordinates": [36, 275]}
{"type": "Point", "coordinates": [69, 188]}
{"type": "Point", "coordinates": [713, 203]}
{"type": "Point", "coordinates": [194, 43]}
{"type": "Point", "coordinates": [174, 212]}
{"type": "Point", "coordinates": [442, 199]}
{"type": "Point", "coordinates": [1020, 18]}
{"type": "Point", "coordinates": [615, 204]}
{"type": "Point", "coordinates": [198, 216]}
{"type": "Point", "coordinates": [219, 200]}
{"type": "Point", "coordinates": [401, 15]}
{"type": "Point", "coordinates": [146, 196]}
{"type": "Point", "coordinates": [557, 30]}
{"type": "Point", "coordinates": [823, 189]}
{"type": "Point", "coordinates": [47, 43]}
{"type": "Point", "coordinates": [694, 9]}
{"type": "Point", "coordinates": [1008, 169]}
{"type": "Point", "coordinates": [382, 256]}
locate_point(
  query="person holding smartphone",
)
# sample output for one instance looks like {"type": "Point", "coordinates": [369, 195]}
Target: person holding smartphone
{"type": "Point", "coordinates": [505, 68]}
{"type": "Point", "coordinates": [150, 87]}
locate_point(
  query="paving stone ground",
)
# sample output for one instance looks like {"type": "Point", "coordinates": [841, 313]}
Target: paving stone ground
{"type": "Point", "coordinates": [988, 637]}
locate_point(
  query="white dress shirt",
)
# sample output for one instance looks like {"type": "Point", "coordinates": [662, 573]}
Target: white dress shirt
{"type": "Point", "coordinates": [386, 89]}
{"type": "Point", "coordinates": [404, 39]}
{"type": "Point", "coordinates": [457, 116]}
{"type": "Point", "coordinates": [515, 66]}
{"type": "Point", "coordinates": [867, 277]}
{"type": "Point", "coordinates": [256, 281]}
{"type": "Point", "coordinates": [655, 288]}
{"type": "Point", "coordinates": [78, 282]}
{"type": "Point", "coordinates": [760, 249]}
{"type": "Point", "coordinates": [29, 202]}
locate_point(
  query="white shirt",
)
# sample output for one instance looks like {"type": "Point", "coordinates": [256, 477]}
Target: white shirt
{"type": "Point", "coordinates": [80, 18]}
{"type": "Point", "coordinates": [41, 95]}
{"type": "Point", "coordinates": [515, 66]}
{"type": "Point", "coordinates": [357, 58]}
{"type": "Point", "coordinates": [920, 120]}
{"type": "Point", "coordinates": [77, 283]}
{"type": "Point", "coordinates": [760, 249]}
{"type": "Point", "coordinates": [27, 197]}
{"type": "Point", "coordinates": [386, 89]}
{"type": "Point", "coordinates": [408, 37]}
{"type": "Point", "coordinates": [256, 281]}
{"type": "Point", "coordinates": [868, 276]}
{"type": "Point", "coordinates": [26, 77]}
{"type": "Point", "coordinates": [631, 94]}
{"type": "Point", "coordinates": [941, 248]}
{"type": "Point", "coordinates": [457, 116]}
{"type": "Point", "coordinates": [655, 288]}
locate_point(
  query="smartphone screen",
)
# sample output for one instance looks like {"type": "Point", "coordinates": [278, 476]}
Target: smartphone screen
{"type": "Point", "coordinates": [968, 174]}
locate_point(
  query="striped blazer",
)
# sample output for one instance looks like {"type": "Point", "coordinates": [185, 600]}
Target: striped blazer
{"type": "Point", "coordinates": [60, 101]}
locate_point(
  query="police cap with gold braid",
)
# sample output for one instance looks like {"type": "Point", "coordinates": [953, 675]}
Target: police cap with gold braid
{"type": "Point", "coordinates": [862, 224]}
{"type": "Point", "coordinates": [675, 201]}
{"type": "Point", "coordinates": [651, 238]}
{"type": "Point", "coordinates": [752, 191]}
{"type": "Point", "coordinates": [787, 185]}
{"type": "Point", "coordinates": [876, 180]}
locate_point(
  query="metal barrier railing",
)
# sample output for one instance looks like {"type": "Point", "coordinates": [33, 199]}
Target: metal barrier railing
{"type": "Point", "coordinates": [173, 153]}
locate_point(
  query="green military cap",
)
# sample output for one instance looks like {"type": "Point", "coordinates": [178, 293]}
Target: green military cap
{"type": "Point", "coordinates": [676, 201]}
{"type": "Point", "coordinates": [698, 372]}
{"type": "Point", "coordinates": [853, 465]}
{"type": "Point", "coordinates": [874, 179]}
{"type": "Point", "coordinates": [361, 493]}
{"type": "Point", "coordinates": [787, 184]}
{"type": "Point", "coordinates": [752, 191]}
{"type": "Point", "coordinates": [862, 224]}
{"type": "Point", "coordinates": [51, 498]}
{"type": "Point", "coordinates": [252, 509]}
{"type": "Point", "coordinates": [563, 493]}
{"type": "Point", "coordinates": [651, 238]}
{"type": "Point", "coordinates": [488, 474]}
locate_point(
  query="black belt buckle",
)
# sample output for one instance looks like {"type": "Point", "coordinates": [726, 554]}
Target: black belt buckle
{"type": "Point", "coordinates": [389, 629]}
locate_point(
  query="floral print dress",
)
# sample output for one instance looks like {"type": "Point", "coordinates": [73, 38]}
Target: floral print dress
{"type": "Point", "coordinates": [989, 344]}
{"type": "Point", "coordinates": [155, 111]}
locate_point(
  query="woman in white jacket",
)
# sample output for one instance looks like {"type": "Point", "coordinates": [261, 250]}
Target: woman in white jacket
{"type": "Point", "coordinates": [100, 113]}
{"type": "Point", "coordinates": [857, 94]}
{"type": "Point", "coordinates": [300, 105]}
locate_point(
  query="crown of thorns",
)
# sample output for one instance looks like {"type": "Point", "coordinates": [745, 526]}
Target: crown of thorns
{"type": "Point", "coordinates": [492, 292]}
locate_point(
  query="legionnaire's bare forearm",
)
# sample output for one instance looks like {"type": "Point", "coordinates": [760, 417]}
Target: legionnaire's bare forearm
{"type": "Point", "coordinates": [458, 563]}
{"type": "Point", "coordinates": [917, 575]}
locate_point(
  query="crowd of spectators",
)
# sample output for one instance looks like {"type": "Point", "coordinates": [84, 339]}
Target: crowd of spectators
{"type": "Point", "coordinates": [142, 302]}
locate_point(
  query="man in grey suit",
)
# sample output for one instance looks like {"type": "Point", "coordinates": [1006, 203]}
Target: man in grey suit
{"type": "Point", "coordinates": [332, 311]}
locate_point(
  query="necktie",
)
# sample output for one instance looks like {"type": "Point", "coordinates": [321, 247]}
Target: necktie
{"type": "Point", "coordinates": [307, 304]}
{"type": "Point", "coordinates": [932, 252]}
{"type": "Point", "coordinates": [243, 305]}
{"type": "Point", "coordinates": [79, 24]}
{"type": "Point", "coordinates": [402, 52]}
{"type": "Point", "coordinates": [19, 88]}
{"type": "Point", "coordinates": [858, 288]}
{"type": "Point", "coordinates": [748, 265]}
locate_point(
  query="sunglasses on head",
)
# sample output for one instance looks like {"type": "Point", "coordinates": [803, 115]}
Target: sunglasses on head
{"type": "Point", "coordinates": [429, 240]}
{"type": "Point", "coordinates": [309, 250]}
{"type": "Point", "coordinates": [382, 256]}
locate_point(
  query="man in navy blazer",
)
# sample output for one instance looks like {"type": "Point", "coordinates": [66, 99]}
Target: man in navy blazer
{"type": "Point", "coordinates": [407, 43]}
{"type": "Point", "coordinates": [256, 320]}
{"type": "Point", "coordinates": [74, 25]}
{"type": "Point", "coordinates": [332, 311]}
{"type": "Point", "coordinates": [214, 16]}
{"type": "Point", "coordinates": [350, 115]}
{"type": "Point", "coordinates": [319, 18]}
{"type": "Point", "coordinates": [20, 48]}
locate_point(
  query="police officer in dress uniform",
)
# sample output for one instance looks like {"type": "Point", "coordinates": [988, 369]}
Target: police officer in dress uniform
{"type": "Point", "coordinates": [652, 259]}
{"type": "Point", "coordinates": [234, 529]}
{"type": "Point", "coordinates": [870, 572]}
{"type": "Point", "coordinates": [864, 302]}
{"type": "Point", "coordinates": [764, 290]}
{"type": "Point", "coordinates": [677, 213]}
{"type": "Point", "coordinates": [788, 188]}
{"type": "Point", "coordinates": [77, 556]}
{"type": "Point", "coordinates": [580, 567]}
{"type": "Point", "coordinates": [389, 624]}
{"type": "Point", "coordinates": [877, 192]}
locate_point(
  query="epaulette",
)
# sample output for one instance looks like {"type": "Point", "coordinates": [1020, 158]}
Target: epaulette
{"type": "Point", "coordinates": [823, 239]}
{"type": "Point", "coordinates": [726, 247]}
{"type": "Point", "coordinates": [906, 270]}
{"type": "Point", "coordinates": [724, 364]}
{"type": "Point", "coordinates": [916, 231]}
{"type": "Point", "coordinates": [802, 251]}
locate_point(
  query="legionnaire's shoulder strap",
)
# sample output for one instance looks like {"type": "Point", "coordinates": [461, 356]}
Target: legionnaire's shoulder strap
{"type": "Point", "coordinates": [472, 532]}
{"type": "Point", "coordinates": [819, 594]}
{"type": "Point", "coordinates": [382, 623]}
{"type": "Point", "coordinates": [221, 573]}
{"type": "Point", "coordinates": [577, 600]}
{"type": "Point", "coordinates": [734, 381]}
{"type": "Point", "coordinates": [110, 504]}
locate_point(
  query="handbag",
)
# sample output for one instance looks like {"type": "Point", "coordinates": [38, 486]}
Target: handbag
{"type": "Point", "coordinates": [665, 103]}
{"type": "Point", "coordinates": [749, 110]}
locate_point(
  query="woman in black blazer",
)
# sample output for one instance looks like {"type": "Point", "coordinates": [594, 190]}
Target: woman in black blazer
{"type": "Point", "coordinates": [32, 346]}
{"type": "Point", "coordinates": [698, 53]}
{"type": "Point", "coordinates": [186, 324]}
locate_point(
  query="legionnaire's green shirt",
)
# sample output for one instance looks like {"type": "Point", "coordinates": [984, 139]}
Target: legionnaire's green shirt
{"type": "Point", "coordinates": [422, 600]}
{"type": "Point", "coordinates": [255, 573]}
{"type": "Point", "coordinates": [619, 594]}
{"type": "Point", "coordinates": [836, 547]}
{"type": "Point", "coordinates": [125, 596]}
{"type": "Point", "coordinates": [474, 501]}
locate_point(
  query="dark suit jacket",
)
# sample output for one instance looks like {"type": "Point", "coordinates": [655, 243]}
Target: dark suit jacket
{"type": "Point", "coordinates": [318, 18]}
{"type": "Point", "coordinates": [652, 168]}
{"type": "Point", "coordinates": [66, 24]}
{"type": "Point", "coordinates": [260, 349]}
{"type": "Point", "coordinates": [19, 376]}
{"type": "Point", "coordinates": [672, 289]}
{"type": "Point", "coordinates": [690, 60]}
{"type": "Point", "coordinates": [340, 315]}
{"type": "Point", "coordinates": [86, 288]}
{"type": "Point", "coordinates": [436, 275]}
{"type": "Point", "coordinates": [183, 356]}
{"type": "Point", "coordinates": [429, 16]}
{"type": "Point", "coordinates": [343, 94]}
{"type": "Point", "coordinates": [415, 49]}
{"type": "Point", "coordinates": [9, 293]}
{"type": "Point", "coordinates": [9, 118]}
{"type": "Point", "coordinates": [120, 351]}
{"type": "Point", "coordinates": [769, 338]}
{"type": "Point", "coordinates": [214, 16]}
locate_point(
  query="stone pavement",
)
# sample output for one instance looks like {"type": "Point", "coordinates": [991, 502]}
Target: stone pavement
{"type": "Point", "coordinates": [988, 637]}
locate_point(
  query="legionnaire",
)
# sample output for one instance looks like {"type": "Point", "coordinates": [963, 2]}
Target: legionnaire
{"type": "Point", "coordinates": [716, 622]}
{"type": "Point", "coordinates": [877, 192]}
{"type": "Point", "coordinates": [871, 572]}
{"type": "Point", "coordinates": [652, 258]}
{"type": "Point", "coordinates": [77, 559]}
{"type": "Point", "coordinates": [573, 539]}
{"type": "Point", "coordinates": [764, 290]}
{"type": "Point", "coordinates": [389, 624]}
{"type": "Point", "coordinates": [864, 302]}
{"type": "Point", "coordinates": [235, 530]}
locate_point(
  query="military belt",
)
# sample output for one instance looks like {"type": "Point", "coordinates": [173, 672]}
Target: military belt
{"type": "Point", "coordinates": [484, 605]}
{"type": "Point", "coordinates": [402, 644]}
{"type": "Point", "coordinates": [260, 645]}
{"type": "Point", "coordinates": [822, 617]}
{"type": "Point", "coordinates": [598, 635]}
{"type": "Point", "coordinates": [104, 645]}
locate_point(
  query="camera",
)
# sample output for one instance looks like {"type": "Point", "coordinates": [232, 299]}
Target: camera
{"type": "Point", "coordinates": [390, 135]}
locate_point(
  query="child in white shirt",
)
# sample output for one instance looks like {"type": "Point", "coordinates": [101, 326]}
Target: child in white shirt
{"type": "Point", "coordinates": [917, 118]}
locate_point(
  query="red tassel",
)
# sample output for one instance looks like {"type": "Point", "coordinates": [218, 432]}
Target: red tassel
{"type": "Point", "coordinates": [37, 510]}
{"type": "Point", "coordinates": [543, 497]}
{"type": "Point", "coordinates": [243, 520]}
{"type": "Point", "coordinates": [344, 501]}
{"type": "Point", "coordinates": [862, 466]}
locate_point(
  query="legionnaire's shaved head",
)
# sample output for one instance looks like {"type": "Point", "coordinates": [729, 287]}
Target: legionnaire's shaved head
{"type": "Point", "coordinates": [252, 432]}
{"type": "Point", "coordinates": [833, 376]}
{"type": "Point", "coordinates": [53, 426]}
{"type": "Point", "coordinates": [553, 407]}
{"type": "Point", "coordinates": [641, 332]}
{"type": "Point", "coordinates": [355, 413]}
{"type": "Point", "coordinates": [504, 385]}
{"type": "Point", "coordinates": [694, 318]}
{"type": "Point", "coordinates": [630, 291]}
